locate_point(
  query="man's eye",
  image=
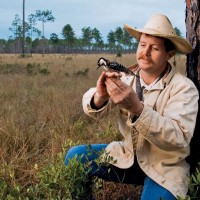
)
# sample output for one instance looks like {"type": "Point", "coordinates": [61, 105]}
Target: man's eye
{"type": "Point", "coordinates": [155, 48]}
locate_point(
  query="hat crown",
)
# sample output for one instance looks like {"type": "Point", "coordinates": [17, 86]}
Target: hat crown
{"type": "Point", "coordinates": [160, 24]}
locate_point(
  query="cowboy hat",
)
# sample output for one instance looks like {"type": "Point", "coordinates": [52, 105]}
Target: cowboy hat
{"type": "Point", "coordinates": [159, 25]}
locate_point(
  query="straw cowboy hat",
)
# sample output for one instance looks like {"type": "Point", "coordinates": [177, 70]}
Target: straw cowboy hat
{"type": "Point", "coordinates": [159, 25]}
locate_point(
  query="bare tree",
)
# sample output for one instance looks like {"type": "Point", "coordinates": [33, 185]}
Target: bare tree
{"type": "Point", "coordinates": [23, 38]}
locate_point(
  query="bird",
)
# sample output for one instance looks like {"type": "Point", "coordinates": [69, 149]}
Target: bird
{"type": "Point", "coordinates": [114, 66]}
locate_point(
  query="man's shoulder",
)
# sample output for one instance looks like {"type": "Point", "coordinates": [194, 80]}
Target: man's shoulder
{"type": "Point", "coordinates": [181, 83]}
{"type": "Point", "coordinates": [181, 79]}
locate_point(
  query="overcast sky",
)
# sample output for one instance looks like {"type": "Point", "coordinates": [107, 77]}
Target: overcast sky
{"type": "Point", "coordinates": [105, 15]}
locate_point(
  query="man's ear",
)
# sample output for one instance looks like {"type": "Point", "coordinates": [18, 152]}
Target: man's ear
{"type": "Point", "coordinates": [171, 54]}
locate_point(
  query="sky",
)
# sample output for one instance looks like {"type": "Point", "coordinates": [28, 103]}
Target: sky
{"type": "Point", "coordinates": [105, 15]}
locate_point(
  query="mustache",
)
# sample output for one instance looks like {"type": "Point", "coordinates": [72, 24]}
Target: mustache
{"type": "Point", "coordinates": [144, 57]}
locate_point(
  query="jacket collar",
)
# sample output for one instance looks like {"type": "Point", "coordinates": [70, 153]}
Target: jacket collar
{"type": "Point", "coordinates": [157, 88]}
{"type": "Point", "coordinates": [159, 85]}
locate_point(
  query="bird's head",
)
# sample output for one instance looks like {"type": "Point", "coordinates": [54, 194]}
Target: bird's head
{"type": "Point", "coordinates": [102, 62]}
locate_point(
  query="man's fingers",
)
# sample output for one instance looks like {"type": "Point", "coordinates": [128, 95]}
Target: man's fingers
{"type": "Point", "coordinates": [111, 84]}
{"type": "Point", "coordinates": [102, 77]}
{"type": "Point", "coordinates": [101, 80]}
{"type": "Point", "coordinates": [113, 74]}
{"type": "Point", "coordinates": [114, 91]}
{"type": "Point", "coordinates": [115, 82]}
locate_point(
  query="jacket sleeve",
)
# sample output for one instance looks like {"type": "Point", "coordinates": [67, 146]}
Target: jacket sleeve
{"type": "Point", "coordinates": [87, 97]}
{"type": "Point", "coordinates": [173, 128]}
{"type": "Point", "coordinates": [86, 103]}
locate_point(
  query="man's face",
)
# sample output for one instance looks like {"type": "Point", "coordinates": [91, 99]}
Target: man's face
{"type": "Point", "coordinates": [151, 54]}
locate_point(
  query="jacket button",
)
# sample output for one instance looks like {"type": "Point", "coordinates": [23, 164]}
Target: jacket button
{"type": "Point", "coordinates": [163, 182]}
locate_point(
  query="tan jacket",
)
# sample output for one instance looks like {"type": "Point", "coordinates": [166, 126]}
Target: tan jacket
{"type": "Point", "coordinates": [160, 137]}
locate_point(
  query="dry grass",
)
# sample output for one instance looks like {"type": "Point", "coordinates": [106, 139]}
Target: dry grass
{"type": "Point", "coordinates": [38, 113]}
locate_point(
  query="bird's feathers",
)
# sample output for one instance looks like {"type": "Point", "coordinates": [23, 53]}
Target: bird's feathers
{"type": "Point", "coordinates": [114, 66]}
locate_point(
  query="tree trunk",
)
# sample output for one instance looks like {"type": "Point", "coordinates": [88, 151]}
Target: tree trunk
{"type": "Point", "coordinates": [23, 39]}
{"type": "Point", "coordinates": [193, 70]}
{"type": "Point", "coordinates": [193, 35]}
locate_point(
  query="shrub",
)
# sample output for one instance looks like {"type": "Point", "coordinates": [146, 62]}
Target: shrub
{"type": "Point", "coordinates": [194, 187]}
{"type": "Point", "coordinates": [119, 54]}
{"type": "Point", "coordinates": [9, 190]}
{"type": "Point", "coordinates": [57, 181]}
{"type": "Point", "coordinates": [11, 68]}
{"type": "Point", "coordinates": [44, 71]}
{"type": "Point", "coordinates": [82, 72]}
{"type": "Point", "coordinates": [32, 68]}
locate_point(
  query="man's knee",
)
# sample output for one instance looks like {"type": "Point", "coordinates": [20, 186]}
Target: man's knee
{"type": "Point", "coordinates": [75, 151]}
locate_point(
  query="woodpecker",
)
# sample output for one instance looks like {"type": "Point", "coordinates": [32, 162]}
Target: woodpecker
{"type": "Point", "coordinates": [114, 66]}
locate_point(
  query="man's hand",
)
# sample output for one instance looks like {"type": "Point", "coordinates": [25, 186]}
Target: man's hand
{"type": "Point", "coordinates": [122, 94]}
{"type": "Point", "coordinates": [102, 96]}
{"type": "Point", "coordinates": [101, 86]}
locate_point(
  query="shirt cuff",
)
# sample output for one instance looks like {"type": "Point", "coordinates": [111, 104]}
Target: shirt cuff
{"type": "Point", "coordinates": [133, 118]}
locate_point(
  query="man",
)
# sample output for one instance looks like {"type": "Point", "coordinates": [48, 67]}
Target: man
{"type": "Point", "coordinates": [157, 116]}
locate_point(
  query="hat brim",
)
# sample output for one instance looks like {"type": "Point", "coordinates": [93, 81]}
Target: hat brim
{"type": "Point", "coordinates": [181, 45]}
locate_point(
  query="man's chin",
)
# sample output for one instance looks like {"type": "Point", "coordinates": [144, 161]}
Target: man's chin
{"type": "Point", "coordinates": [145, 64]}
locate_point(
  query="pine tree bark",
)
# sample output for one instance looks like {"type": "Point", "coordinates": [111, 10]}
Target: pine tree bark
{"type": "Point", "coordinates": [193, 71]}
{"type": "Point", "coordinates": [193, 35]}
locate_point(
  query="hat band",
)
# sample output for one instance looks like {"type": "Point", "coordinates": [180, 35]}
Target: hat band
{"type": "Point", "coordinates": [156, 32]}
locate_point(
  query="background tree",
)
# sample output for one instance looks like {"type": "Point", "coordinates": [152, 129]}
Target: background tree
{"type": "Point", "coordinates": [69, 35]}
{"type": "Point", "coordinates": [98, 40]}
{"type": "Point", "coordinates": [2, 45]}
{"type": "Point", "coordinates": [54, 38]}
{"type": "Point", "coordinates": [91, 40]}
{"type": "Point", "coordinates": [127, 40]}
{"type": "Point", "coordinates": [32, 30]}
{"type": "Point", "coordinates": [87, 37]}
{"type": "Point", "coordinates": [16, 28]}
{"type": "Point", "coordinates": [178, 32]}
{"type": "Point", "coordinates": [54, 41]}
{"type": "Point", "coordinates": [111, 40]}
{"type": "Point", "coordinates": [44, 16]}
{"type": "Point", "coordinates": [78, 43]}
{"type": "Point", "coordinates": [193, 69]}
{"type": "Point", "coordinates": [119, 33]}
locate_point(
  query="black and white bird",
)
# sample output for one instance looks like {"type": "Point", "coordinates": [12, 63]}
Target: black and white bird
{"type": "Point", "coordinates": [114, 66]}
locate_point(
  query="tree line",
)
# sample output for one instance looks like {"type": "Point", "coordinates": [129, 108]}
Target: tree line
{"type": "Point", "coordinates": [91, 40]}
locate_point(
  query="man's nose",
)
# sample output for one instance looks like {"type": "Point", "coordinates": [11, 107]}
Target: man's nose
{"type": "Point", "coordinates": [147, 50]}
